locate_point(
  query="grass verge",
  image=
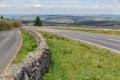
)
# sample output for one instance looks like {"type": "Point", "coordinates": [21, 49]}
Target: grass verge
{"type": "Point", "coordinates": [28, 44]}
{"type": "Point", "coordinates": [74, 60]}
{"type": "Point", "coordinates": [92, 30]}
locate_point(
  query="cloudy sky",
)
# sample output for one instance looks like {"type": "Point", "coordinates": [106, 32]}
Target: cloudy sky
{"type": "Point", "coordinates": [60, 7]}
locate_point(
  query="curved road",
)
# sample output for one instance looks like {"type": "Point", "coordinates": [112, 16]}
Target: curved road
{"type": "Point", "coordinates": [9, 44]}
{"type": "Point", "coordinates": [106, 41]}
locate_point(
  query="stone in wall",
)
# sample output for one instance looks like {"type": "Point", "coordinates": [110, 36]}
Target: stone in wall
{"type": "Point", "coordinates": [34, 66]}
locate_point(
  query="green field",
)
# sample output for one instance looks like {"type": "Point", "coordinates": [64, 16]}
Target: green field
{"type": "Point", "coordinates": [95, 30]}
{"type": "Point", "coordinates": [74, 60]}
{"type": "Point", "coordinates": [28, 44]}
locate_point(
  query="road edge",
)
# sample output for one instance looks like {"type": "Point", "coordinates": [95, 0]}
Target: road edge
{"type": "Point", "coordinates": [34, 66]}
{"type": "Point", "coordinates": [19, 47]}
{"type": "Point", "coordinates": [116, 52]}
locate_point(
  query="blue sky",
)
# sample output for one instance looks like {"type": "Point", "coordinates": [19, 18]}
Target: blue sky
{"type": "Point", "coordinates": [60, 7]}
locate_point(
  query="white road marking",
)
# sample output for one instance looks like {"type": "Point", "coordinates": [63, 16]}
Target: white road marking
{"type": "Point", "coordinates": [89, 42]}
{"type": "Point", "coordinates": [92, 43]}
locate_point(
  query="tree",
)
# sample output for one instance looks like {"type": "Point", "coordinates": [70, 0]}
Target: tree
{"type": "Point", "coordinates": [2, 17]}
{"type": "Point", "coordinates": [37, 21]}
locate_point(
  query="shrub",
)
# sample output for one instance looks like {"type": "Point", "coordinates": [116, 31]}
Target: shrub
{"type": "Point", "coordinates": [6, 24]}
{"type": "Point", "coordinates": [17, 23]}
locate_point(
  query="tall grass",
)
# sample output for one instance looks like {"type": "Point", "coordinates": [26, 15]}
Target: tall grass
{"type": "Point", "coordinates": [74, 60]}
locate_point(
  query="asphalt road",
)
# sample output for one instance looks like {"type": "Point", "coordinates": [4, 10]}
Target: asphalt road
{"type": "Point", "coordinates": [106, 41]}
{"type": "Point", "coordinates": [9, 44]}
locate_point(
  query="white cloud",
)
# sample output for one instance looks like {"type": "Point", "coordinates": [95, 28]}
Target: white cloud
{"type": "Point", "coordinates": [38, 5]}
{"type": "Point", "coordinates": [53, 6]}
{"type": "Point", "coordinates": [3, 6]}
{"type": "Point", "coordinates": [21, 6]}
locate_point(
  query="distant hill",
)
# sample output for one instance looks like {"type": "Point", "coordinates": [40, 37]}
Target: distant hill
{"type": "Point", "coordinates": [73, 17]}
{"type": "Point", "coordinates": [89, 20]}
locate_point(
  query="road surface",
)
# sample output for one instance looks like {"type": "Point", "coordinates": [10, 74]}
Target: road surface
{"type": "Point", "coordinates": [106, 41]}
{"type": "Point", "coordinates": [9, 44]}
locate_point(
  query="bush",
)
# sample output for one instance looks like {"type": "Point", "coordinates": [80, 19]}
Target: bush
{"type": "Point", "coordinates": [17, 24]}
{"type": "Point", "coordinates": [6, 24]}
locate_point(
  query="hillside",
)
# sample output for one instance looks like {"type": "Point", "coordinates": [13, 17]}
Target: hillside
{"type": "Point", "coordinates": [72, 20]}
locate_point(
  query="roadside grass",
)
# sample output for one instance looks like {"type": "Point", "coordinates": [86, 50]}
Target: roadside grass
{"type": "Point", "coordinates": [95, 30]}
{"type": "Point", "coordinates": [28, 44]}
{"type": "Point", "coordinates": [74, 60]}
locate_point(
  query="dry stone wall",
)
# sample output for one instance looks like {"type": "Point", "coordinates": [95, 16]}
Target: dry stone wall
{"type": "Point", "coordinates": [34, 66]}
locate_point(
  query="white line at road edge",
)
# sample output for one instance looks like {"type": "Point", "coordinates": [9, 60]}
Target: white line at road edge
{"type": "Point", "coordinates": [92, 43]}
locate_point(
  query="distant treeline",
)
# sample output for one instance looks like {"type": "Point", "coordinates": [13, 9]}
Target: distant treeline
{"type": "Point", "coordinates": [6, 24]}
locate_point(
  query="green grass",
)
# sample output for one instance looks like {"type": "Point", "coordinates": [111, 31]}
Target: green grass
{"type": "Point", "coordinates": [74, 60]}
{"type": "Point", "coordinates": [28, 44]}
{"type": "Point", "coordinates": [94, 30]}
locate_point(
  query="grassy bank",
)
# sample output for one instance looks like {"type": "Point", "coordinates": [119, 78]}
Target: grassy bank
{"type": "Point", "coordinates": [28, 44]}
{"type": "Point", "coordinates": [95, 30]}
{"type": "Point", "coordinates": [74, 60]}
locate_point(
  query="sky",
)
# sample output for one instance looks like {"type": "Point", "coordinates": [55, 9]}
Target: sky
{"type": "Point", "coordinates": [60, 7]}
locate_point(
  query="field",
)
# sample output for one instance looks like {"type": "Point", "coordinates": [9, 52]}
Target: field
{"type": "Point", "coordinates": [74, 60]}
{"type": "Point", "coordinates": [28, 44]}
